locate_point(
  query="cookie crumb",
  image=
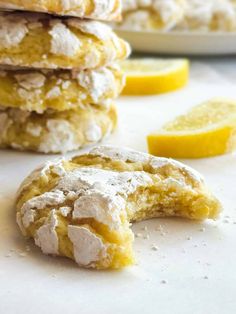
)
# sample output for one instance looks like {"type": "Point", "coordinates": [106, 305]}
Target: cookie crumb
{"type": "Point", "coordinates": [154, 247]}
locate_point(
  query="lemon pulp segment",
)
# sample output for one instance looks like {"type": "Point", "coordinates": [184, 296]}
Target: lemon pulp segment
{"type": "Point", "coordinates": [207, 130]}
{"type": "Point", "coordinates": [154, 76]}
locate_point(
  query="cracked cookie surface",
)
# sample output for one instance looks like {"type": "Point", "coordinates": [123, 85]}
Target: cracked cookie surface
{"type": "Point", "coordinates": [55, 131]}
{"type": "Point", "coordinates": [39, 90]}
{"type": "Point", "coordinates": [82, 208]}
{"type": "Point", "coordinates": [43, 41]}
{"type": "Point", "coordinates": [106, 10]}
{"type": "Point", "coordinates": [198, 15]}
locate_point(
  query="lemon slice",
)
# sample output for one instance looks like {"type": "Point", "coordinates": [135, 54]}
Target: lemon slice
{"type": "Point", "coordinates": [154, 76]}
{"type": "Point", "coordinates": [207, 130]}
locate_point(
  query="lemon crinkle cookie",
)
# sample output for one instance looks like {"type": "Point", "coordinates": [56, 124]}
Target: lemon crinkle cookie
{"type": "Point", "coordinates": [43, 41]}
{"type": "Point", "coordinates": [211, 15]}
{"type": "Point", "coordinates": [82, 208]}
{"type": "Point", "coordinates": [55, 131]}
{"type": "Point", "coordinates": [39, 90]}
{"type": "Point", "coordinates": [94, 9]}
{"type": "Point", "coordinates": [148, 14]}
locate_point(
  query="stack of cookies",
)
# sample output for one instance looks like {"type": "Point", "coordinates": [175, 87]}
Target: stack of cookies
{"type": "Point", "coordinates": [58, 73]}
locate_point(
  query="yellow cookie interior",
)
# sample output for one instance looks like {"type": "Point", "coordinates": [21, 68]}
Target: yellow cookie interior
{"type": "Point", "coordinates": [163, 188]}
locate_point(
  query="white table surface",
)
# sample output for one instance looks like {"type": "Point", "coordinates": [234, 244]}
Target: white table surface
{"type": "Point", "coordinates": [197, 265]}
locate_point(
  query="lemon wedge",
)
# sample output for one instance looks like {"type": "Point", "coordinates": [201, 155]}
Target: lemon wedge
{"type": "Point", "coordinates": [154, 76]}
{"type": "Point", "coordinates": [207, 130]}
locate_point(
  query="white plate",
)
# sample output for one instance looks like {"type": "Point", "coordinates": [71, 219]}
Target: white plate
{"type": "Point", "coordinates": [181, 42]}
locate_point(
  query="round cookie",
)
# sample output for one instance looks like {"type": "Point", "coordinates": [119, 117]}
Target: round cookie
{"type": "Point", "coordinates": [157, 14]}
{"type": "Point", "coordinates": [82, 208]}
{"type": "Point", "coordinates": [211, 15]}
{"type": "Point", "coordinates": [106, 10]}
{"type": "Point", "coordinates": [44, 41]}
{"type": "Point", "coordinates": [55, 131]}
{"type": "Point", "coordinates": [39, 90]}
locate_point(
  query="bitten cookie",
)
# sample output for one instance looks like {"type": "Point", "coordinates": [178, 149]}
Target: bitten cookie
{"type": "Point", "coordinates": [82, 208]}
{"type": "Point", "coordinates": [93, 9]}
{"type": "Point", "coordinates": [39, 90]}
{"type": "Point", "coordinates": [55, 131]}
{"type": "Point", "coordinates": [44, 41]}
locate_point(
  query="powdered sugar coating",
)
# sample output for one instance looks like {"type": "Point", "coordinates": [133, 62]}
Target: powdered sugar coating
{"type": "Point", "coordinates": [89, 201]}
{"type": "Point", "coordinates": [98, 29]}
{"type": "Point", "coordinates": [126, 154]}
{"type": "Point", "coordinates": [64, 42]}
{"type": "Point", "coordinates": [88, 248]}
{"type": "Point", "coordinates": [120, 153]}
{"type": "Point", "coordinates": [56, 166]}
{"type": "Point", "coordinates": [46, 236]}
{"type": "Point", "coordinates": [170, 12]}
{"type": "Point", "coordinates": [55, 92]}
{"type": "Point", "coordinates": [102, 7]}
{"type": "Point", "coordinates": [68, 5]}
{"type": "Point", "coordinates": [136, 20]}
{"type": "Point", "coordinates": [30, 207]}
{"type": "Point", "coordinates": [95, 9]}
{"type": "Point", "coordinates": [97, 82]}
{"type": "Point", "coordinates": [12, 31]}
{"type": "Point", "coordinates": [93, 133]}
{"type": "Point", "coordinates": [103, 198]}
{"type": "Point", "coordinates": [60, 137]}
